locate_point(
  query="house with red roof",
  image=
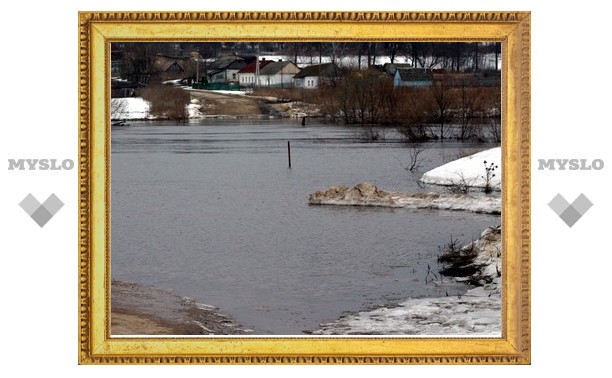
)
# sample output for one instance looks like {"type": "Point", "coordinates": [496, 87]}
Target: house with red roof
{"type": "Point", "coordinates": [247, 75]}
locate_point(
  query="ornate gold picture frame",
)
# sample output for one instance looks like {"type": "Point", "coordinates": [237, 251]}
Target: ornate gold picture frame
{"type": "Point", "coordinates": [97, 30]}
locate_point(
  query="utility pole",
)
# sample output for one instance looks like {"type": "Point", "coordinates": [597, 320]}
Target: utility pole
{"type": "Point", "coordinates": [257, 68]}
{"type": "Point", "coordinates": [196, 56]}
{"type": "Point", "coordinates": [257, 72]}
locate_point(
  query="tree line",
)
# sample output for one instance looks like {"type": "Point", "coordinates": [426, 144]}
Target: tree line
{"type": "Point", "coordinates": [449, 107]}
{"type": "Point", "coordinates": [136, 58]}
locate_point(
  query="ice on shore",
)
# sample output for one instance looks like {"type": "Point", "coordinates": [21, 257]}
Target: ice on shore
{"type": "Point", "coordinates": [137, 108]}
{"type": "Point", "coordinates": [130, 108]}
{"type": "Point", "coordinates": [477, 313]}
{"type": "Point", "coordinates": [474, 314]}
{"type": "Point", "coordinates": [469, 171]}
{"type": "Point", "coordinates": [366, 194]}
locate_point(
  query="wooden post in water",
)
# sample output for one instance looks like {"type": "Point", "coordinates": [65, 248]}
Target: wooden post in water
{"type": "Point", "coordinates": [289, 152]}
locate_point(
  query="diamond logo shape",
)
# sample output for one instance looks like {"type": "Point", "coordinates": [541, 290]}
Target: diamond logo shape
{"type": "Point", "coordinates": [570, 213]}
{"type": "Point", "coordinates": [41, 213]}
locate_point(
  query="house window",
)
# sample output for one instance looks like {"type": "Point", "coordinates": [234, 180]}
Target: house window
{"type": "Point", "coordinates": [233, 76]}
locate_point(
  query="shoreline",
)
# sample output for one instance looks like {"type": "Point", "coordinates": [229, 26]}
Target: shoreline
{"type": "Point", "coordinates": [474, 313]}
{"type": "Point", "coordinates": [144, 310]}
{"type": "Point", "coordinates": [367, 194]}
{"type": "Point", "coordinates": [208, 104]}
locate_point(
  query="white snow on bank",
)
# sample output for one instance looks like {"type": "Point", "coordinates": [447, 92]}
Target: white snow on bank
{"type": "Point", "coordinates": [469, 171]}
{"type": "Point", "coordinates": [474, 314]}
{"type": "Point", "coordinates": [194, 109]}
{"type": "Point", "coordinates": [219, 91]}
{"type": "Point", "coordinates": [137, 108]}
{"type": "Point", "coordinates": [130, 108]}
{"type": "Point", "coordinates": [366, 194]}
{"type": "Point", "coordinates": [477, 313]}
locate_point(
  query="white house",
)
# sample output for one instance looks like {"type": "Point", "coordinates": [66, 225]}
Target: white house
{"type": "Point", "coordinates": [278, 74]}
{"type": "Point", "coordinates": [247, 75]}
{"type": "Point", "coordinates": [311, 77]}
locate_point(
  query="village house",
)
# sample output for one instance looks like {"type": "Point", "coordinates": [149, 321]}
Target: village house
{"type": "Point", "coordinates": [247, 75]}
{"type": "Point", "coordinates": [413, 77]}
{"type": "Point", "coordinates": [225, 69]}
{"type": "Point", "coordinates": [312, 76]}
{"type": "Point", "coordinates": [278, 74]}
{"type": "Point", "coordinates": [390, 68]}
{"type": "Point", "coordinates": [172, 68]}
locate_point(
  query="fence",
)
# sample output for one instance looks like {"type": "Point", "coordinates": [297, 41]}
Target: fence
{"type": "Point", "coordinates": [217, 86]}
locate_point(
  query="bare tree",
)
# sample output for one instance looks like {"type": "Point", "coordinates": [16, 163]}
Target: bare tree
{"type": "Point", "coordinates": [495, 129]}
{"type": "Point", "coordinates": [119, 107]}
{"type": "Point", "coordinates": [443, 101]}
{"type": "Point", "coordinates": [372, 47]}
{"type": "Point", "coordinates": [411, 113]}
{"type": "Point", "coordinates": [391, 49]}
{"type": "Point", "coordinates": [468, 110]}
{"type": "Point", "coordinates": [414, 154]}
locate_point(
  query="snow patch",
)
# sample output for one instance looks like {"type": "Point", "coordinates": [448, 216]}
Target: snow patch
{"type": "Point", "coordinates": [137, 108]}
{"type": "Point", "coordinates": [468, 171]}
{"type": "Point", "coordinates": [130, 108]}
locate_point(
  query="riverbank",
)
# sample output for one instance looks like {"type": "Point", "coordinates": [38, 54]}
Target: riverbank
{"type": "Point", "coordinates": [471, 179]}
{"type": "Point", "coordinates": [476, 313]}
{"type": "Point", "coordinates": [218, 105]}
{"type": "Point", "coordinates": [367, 194]}
{"type": "Point", "coordinates": [143, 310]}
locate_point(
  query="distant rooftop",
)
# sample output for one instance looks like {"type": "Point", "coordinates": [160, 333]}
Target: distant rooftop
{"type": "Point", "coordinates": [326, 69]}
{"type": "Point", "coordinates": [252, 67]}
{"type": "Point", "coordinates": [415, 74]}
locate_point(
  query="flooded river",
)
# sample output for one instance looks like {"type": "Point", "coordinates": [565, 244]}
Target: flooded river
{"type": "Point", "coordinates": [210, 210]}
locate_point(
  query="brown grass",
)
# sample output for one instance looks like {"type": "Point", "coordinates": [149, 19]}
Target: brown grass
{"type": "Point", "coordinates": [167, 102]}
{"type": "Point", "coordinates": [288, 94]}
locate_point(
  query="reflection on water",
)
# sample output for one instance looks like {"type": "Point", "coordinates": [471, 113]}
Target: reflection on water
{"type": "Point", "coordinates": [211, 211]}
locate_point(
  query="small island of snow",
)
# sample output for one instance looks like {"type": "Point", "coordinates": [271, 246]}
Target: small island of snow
{"type": "Point", "coordinates": [367, 194]}
{"type": "Point", "coordinates": [469, 171]}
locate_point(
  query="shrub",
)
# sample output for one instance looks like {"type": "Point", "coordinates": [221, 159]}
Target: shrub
{"type": "Point", "coordinates": [488, 177]}
{"type": "Point", "coordinates": [458, 262]}
{"type": "Point", "coordinates": [167, 102]}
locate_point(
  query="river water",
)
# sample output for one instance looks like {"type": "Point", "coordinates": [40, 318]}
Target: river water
{"type": "Point", "coordinates": [211, 211]}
